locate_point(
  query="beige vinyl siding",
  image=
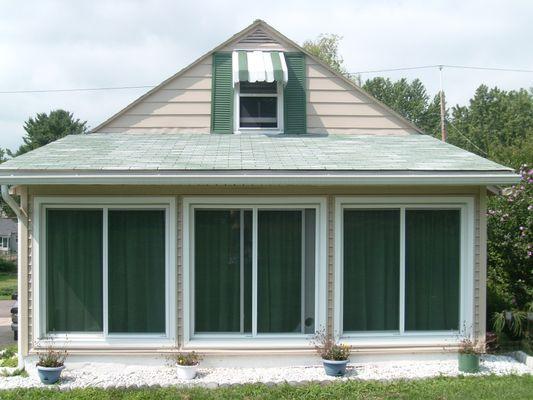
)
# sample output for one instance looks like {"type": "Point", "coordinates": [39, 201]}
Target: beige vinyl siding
{"type": "Point", "coordinates": [328, 192]}
{"type": "Point", "coordinates": [182, 105]}
{"type": "Point", "coordinates": [334, 106]}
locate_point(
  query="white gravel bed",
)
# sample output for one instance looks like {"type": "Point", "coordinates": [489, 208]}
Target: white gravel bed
{"type": "Point", "coordinates": [110, 375]}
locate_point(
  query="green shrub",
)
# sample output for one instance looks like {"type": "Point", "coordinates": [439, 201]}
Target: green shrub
{"type": "Point", "coordinates": [7, 265]}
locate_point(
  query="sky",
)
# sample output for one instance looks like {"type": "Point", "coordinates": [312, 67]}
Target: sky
{"type": "Point", "coordinates": [65, 44]}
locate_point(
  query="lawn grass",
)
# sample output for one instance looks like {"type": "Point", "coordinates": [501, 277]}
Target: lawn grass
{"type": "Point", "coordinates": [488, 387]}
{"type": "Point", "coordinates": [8, 285]}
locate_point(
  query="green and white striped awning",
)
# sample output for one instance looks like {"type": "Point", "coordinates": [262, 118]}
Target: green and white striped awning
{"type": "Point", "coordinates": [259, 66]}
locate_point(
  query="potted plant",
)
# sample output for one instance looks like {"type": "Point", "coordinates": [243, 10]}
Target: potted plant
{"type": "Point", "coordinates": [468, 356]}
{"type": "Point", "coordinates": [334, 355]}
{"type": "Point", "coordinates": [50, 365]}
{"type": "Point", "coordinates": [186, 364]}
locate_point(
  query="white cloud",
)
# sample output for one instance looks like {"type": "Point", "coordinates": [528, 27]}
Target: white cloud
{"type": "Point", "coordinates": [61, 44]}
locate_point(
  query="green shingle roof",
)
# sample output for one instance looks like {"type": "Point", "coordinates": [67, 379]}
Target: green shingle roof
{"type": "Point", "coordinates": [205, 152]}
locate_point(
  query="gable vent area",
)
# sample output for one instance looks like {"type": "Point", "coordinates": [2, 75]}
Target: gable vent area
{"type": "Point", "coordinates": [258, 36]}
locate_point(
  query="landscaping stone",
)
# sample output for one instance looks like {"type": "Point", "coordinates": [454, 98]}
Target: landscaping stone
{"type": "Point", "coordinates": [106, 375]}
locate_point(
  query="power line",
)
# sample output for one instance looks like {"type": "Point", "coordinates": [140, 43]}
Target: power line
{"type": "Point", "coordinates": [440, 66]}
{"type": "Point", "coordinates": [76, 89]}
{"type": "Point", "coordinates": [465, 137]}
{"type": "Point", "coordinates": [444, 66]}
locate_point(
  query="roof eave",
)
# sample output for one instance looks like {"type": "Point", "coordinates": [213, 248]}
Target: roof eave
{"type": "Point", "coordinates": [260, 178]}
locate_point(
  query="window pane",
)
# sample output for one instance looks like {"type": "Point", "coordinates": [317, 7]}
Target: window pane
{"type": "Point", "coordinates": [279, 271]}
{"type": "Point", "coordinates": [371, 270]}
{"type": "Point", "coordinates": [136, 267]}
{"type": "Point", "coordinates": [217, 251]}
{"type": "Point", "coordinates": [258, 112]}
{"type": "Point", "coordinates": [74, 270]}
{"type": "Point", "coordinates": [432, 269]}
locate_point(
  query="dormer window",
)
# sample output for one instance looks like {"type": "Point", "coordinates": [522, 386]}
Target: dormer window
{"type": "Point", "coordinates": [260, 106]}
{"type": "Point", "coordinates": [258, 79]}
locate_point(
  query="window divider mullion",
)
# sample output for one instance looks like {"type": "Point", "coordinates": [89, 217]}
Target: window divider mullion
{"type": "Point", "coordinates": [241, 266]}
{"type": "Point", "coordinates": [402, 271]}
{"type": "Point", "coordinates": [105, 291]}
{"type": "Point", "coordinates": [302, 278]}
{"type": "Point", "coordinates": [254, 270]}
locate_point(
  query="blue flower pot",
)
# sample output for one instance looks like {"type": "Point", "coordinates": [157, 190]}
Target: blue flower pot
{"type": "Point", "coordinates": [335, 368]}
{"type": "Point", "coordinates": [48, 375]}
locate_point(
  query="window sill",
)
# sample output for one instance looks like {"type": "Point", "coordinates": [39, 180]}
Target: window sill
{"type": "Point", "coordinates": [258, 131]}
{"type": "Point", "coordinates": [270, 343]}
{"type": "Point", "coordinates": [406, 340]}
{"type": "Point", "coordinates": [99, 342]}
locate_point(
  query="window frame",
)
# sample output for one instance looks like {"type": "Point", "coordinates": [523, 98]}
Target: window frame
{"type": "Point", "coordinates": [268, 340]}
{"type": "Point", "coordinates": [2, 238]}
{"type": "Point", "coordinates": [104, 338]}
{"type": "Point", "coordinates": [466, 287]}
{"type": "Point", "coordinates": [237, 129]}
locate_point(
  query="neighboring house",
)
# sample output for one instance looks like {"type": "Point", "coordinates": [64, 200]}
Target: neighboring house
{"type": "Point", "coordinates": [8, 235]}
{"type": "Point", "coordinates": [249, 200]}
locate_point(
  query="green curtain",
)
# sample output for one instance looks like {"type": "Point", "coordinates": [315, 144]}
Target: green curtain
{"type": "Point", "coordinates": [371, 270]}
{"type": "Point", "coordinates": [136, 271]}
{"type": "Point", "coordinates": [432, 269]}
{"type": "Point", "coordinates": [279, 271]}
{"type": "Point", "coordinates": [74, 270]}
{"type": "Point", "coordinates": [217, 270]}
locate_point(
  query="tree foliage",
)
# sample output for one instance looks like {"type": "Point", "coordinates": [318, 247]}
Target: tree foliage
{"type": "Point", "coordinates": [326, 48]}
{"type": "Point", "coordinates": [510, 248]}
{"type": "Point", "coordinates": [409, 99]}
{"type": "Point", "coordinates": [46, 128]}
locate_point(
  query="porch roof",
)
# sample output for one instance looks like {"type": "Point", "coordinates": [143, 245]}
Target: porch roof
{"type": "Point", "coordinates": [211, 154]}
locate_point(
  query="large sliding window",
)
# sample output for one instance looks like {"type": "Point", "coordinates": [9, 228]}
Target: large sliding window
{"type": "Point", "coordinates": [105, 272]}
{"type": "Point", "coordinates": [253, 271]}
{"type": "Point", "coordinates": [401, 268]}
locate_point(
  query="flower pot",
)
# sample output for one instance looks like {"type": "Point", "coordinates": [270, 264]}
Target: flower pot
{"type": "Point", "coordinates": [335, 368]}
{"type": "Point", "coordinates": [187, 372]}
{"type": "Point", "coordinates": [49, 375]}
{"type": "Point", "coordinates": [469, 363]}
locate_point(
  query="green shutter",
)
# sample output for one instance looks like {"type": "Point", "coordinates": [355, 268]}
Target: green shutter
{"type": "Point", "coordinates": [294, 94]}
{"type": "Point", "coordinates": [222, 94]}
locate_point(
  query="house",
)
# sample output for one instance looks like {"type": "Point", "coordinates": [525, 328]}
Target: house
{"type": "Point", "coordinates": [246, 202]}
{"type": "Point", "coordinates": [8, 235]}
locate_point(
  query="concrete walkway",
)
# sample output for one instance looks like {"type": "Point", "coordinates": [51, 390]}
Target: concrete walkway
{"type": "Point", "coordinates": [6, 334]}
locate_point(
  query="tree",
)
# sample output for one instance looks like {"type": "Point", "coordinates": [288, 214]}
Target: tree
{"type": "Point", "coordinates": [46, 128]}
{"type": "Point", "coordinates": [510, 248]}
{"type": "Point", "coordinates": [496, 124]}
{"type": "Point", "coordinates": [409, 99]}
{"type": "Point", "coordinates": [326, 48]}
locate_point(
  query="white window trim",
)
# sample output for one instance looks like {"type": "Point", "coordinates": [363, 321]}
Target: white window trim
{"type": "Point", "coordinates": [2, 247]}
{"type": "Point", "coordinates": [227, 341]}
{"type": "Point", "coordinates": [103, 339]}
{"type": "Point", "coordinates": [430, 338]}
{"type": "Point", "coordinates": [236, 111]}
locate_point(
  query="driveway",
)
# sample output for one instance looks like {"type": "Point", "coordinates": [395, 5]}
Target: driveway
{"type": "Point", "coordinates": [6, 335]}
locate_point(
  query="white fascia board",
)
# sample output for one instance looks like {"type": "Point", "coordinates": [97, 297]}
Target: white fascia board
{"type": "Point", "coordinates": [259, 178]}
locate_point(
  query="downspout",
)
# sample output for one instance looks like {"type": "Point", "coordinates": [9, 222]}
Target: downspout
{"type": "Point", "coordinates": [22, 220]}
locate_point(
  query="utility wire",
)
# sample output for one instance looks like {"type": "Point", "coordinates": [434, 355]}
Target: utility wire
{"type": "Point", "coordinates": [350, 73]}
{"type": "Point", "coordinates": [465, 137]}
{"type": "Point", "coordinates": [443, 66]}
{"type": "Point", "coordinates": [76, 90]}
